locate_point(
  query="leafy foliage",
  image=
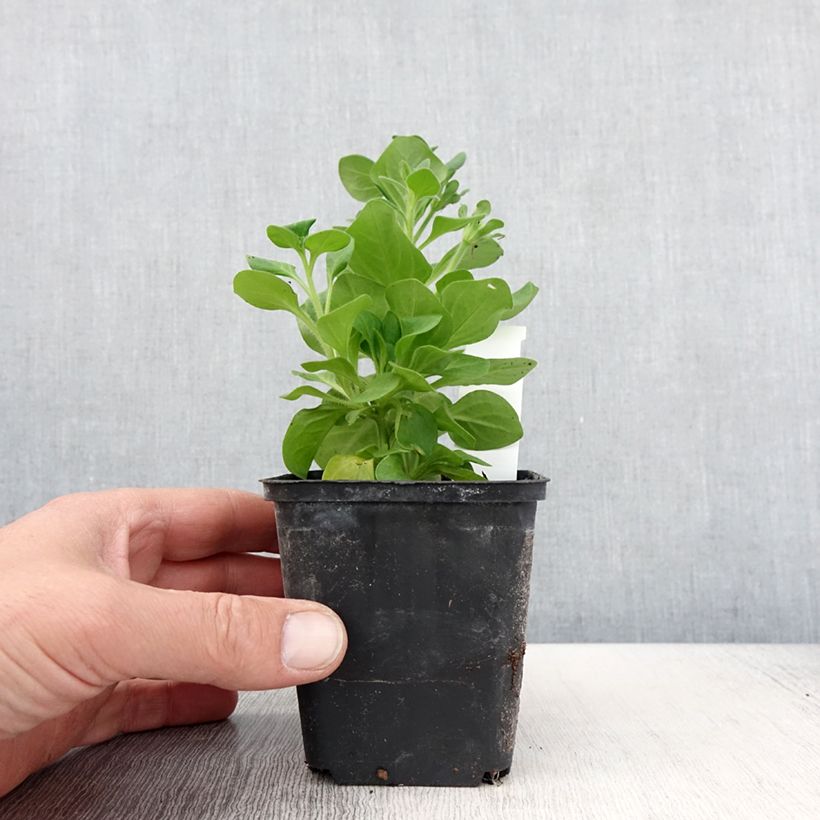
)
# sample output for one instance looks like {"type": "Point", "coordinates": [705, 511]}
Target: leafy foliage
{"type": "Point", "coordinates": [383, 299]}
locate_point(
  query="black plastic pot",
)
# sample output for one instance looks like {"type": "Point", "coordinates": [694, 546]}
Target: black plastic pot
{"type": "Point", "coordinates": [432, 581]}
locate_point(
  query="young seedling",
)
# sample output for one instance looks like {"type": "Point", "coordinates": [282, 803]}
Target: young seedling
{"type": "Point", "coordinates": [382, 299]}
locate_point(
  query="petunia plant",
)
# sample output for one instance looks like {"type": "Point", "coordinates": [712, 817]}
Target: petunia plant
{"type": "Point", "coordinates": [388, 320]}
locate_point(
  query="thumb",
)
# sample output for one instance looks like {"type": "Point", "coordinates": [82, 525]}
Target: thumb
{"type": "Point", "coordinates": [230, 641]}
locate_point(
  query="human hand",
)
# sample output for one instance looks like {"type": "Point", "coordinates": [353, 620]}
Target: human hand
{"type": "Point", "coordinates": [97, 636]}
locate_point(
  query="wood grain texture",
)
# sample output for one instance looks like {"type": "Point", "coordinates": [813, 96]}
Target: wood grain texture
{"type": "Point", "coordinates": [606, 731]}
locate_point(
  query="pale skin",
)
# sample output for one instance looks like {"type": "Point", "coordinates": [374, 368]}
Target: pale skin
{"type": "Point", "coordinates": [130, 610]}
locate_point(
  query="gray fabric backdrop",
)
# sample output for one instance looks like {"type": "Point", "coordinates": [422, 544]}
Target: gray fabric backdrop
{"type": "Point", "coordinates": [656, 162]}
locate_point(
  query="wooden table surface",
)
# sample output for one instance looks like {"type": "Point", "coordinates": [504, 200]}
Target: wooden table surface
{"type": "Point", "coordinates": [606, 731]}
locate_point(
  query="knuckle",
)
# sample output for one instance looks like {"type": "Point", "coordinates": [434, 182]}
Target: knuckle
{"type": "Point", "coordinates": [63, 503]}
{"type": "Point", "coordinates": [93, 498]}
{"type": "Point", "coordinates": [96, 505]}
{"type": "Point", "coordinates": [235, 631]}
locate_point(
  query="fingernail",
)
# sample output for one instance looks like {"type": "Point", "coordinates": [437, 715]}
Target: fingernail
{"type": "Point", "coordinates": [310, 640]}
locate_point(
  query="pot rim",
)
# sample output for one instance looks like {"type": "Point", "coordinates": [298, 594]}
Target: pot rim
{"type": "Point", "coordinates": [529, 486]}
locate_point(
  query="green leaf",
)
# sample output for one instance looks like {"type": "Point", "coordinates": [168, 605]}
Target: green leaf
{"type": "Point", "coordinates": [520, 299]}
{"type": "Point", "coordinates": [348, 468]}
{"type": "Point", "coordinates": [450, 195]}
{"type": "Point", "coordinates": [489, 418]}
{"type": "Point", "coordinates": [508, 371]}
{"type": "Point", "coordinates": [423, 317]}
{"type": "Point", "coordinates": [335, 393]}
{"type": "Point", "coordinates": [391, 328]}
{"type": "Point", "coordinates": [377, 387]}
{"type": "Point", "coordinates": [394, 191]}
{"type": "Point", "coordinates": [461, 474]}
{"type": "Point", "coordinates": [353, 438]}
{"type": "Point", "coordinates": [417, 429]}
{"type": "Point", "coordinates": [442, 409]}
{"type": "Point", "coordinates": [416, 325]}
{"type": "Point", "coordinates": [448, 224]}
{"type": "Point", "coordinates": [410, 379]}
{"type": "Point", "coordinates": [439, 335]}
{"type": "Point", "coordinates": [462, 369]}
{"type": "Point", "coordinates": [305, 433]}
{"type": "Point", "coordinates": [301, 229]}
{"type": "Point", "coordinates": [466, 370]}
{"type": "Point", "coordinates": [304, 390]}
{"type": "Point", "coordinates": [482, 253]}
{"type": "Point", "coordinates": [420, 330]}
{"type": "Point", "coordinates": [369, 327]}
{"type": "Point", "coordinates": [471, 457]}
{"type": "Point", "coordinates": [383, 252]}
{"type": "Point", "coordinates": [429, 360]}
{"type": "Point", "coordinates": [284, 237]}
{"type": "Point", "coordinates": [349, 285]}
{"type": "Point", "coordinates": [453, 464]}
{"type": "Point", "coordinates": [455, 163]}
{"type": "Point", "coordinates": [476, 308]}
{"type": "Point", "coordinates": [326, 241]}
{"type": "Point", "coordinates": [491, 226]}
{"type": "Point", "coordinates": [423, 183]}
{"type": "Point", "coordinates": [271, 266]}
{"type": "Point", "coordinates": [391, 468]}
{"type": "Point", "coordinates": [414, 151]}
{"type": "Point", "coordinates": [453, 276]}
{"type": "Point", "coordinates": [336, 261]}
{"type": "Point", "coordinates": [310, 338]}
{"type": "Point", "coordinates": [482, 208]}
{"type": "Point", "coordinates": [335, 327]}
{"type": "Point", "coordinates": [409, 297]}
{"type": "Point", "coordinates": [265, 290]}
{"type": "Point", "coordinates": [341, 368]}
{"type": "Point", "coordinates": [354, 171]}
{"type": "Point", "coordinates": [324, 378]}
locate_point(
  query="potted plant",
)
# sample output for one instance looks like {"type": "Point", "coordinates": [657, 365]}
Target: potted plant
{"type": "Point", "coordinates": [426, 561]}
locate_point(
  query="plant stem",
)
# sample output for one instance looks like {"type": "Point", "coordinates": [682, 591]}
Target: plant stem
{"type": "Point", "coordinates": [424, 224]}
{"type": "Point", "coordinates": [312, 293]}
{"type": "Point", "coordinates": [455, 259]}
{"type": "Point", "coordinates": [410, 216]}
{"type": "Point", "coordinates": [315, 301]}
{"type": "Point", "coordinates": [425, 243]}
{"type": "Point", "coordinates": [299, 281]}
{"type": "Point", "coordinates": [341, 402]}
{"type": "Point", "coordinates": [329, 293]}
{"type": "Point", "coordinates": [344, 393]}
{"type": "Point", "coordinates": [381, 421]}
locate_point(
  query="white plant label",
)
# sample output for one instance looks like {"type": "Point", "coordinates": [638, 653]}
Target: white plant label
{"type": "Point", "coordinates": [505, 343]}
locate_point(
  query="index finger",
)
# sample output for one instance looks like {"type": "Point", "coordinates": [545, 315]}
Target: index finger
{"type": "Point", "coordinates": [185, 524]}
